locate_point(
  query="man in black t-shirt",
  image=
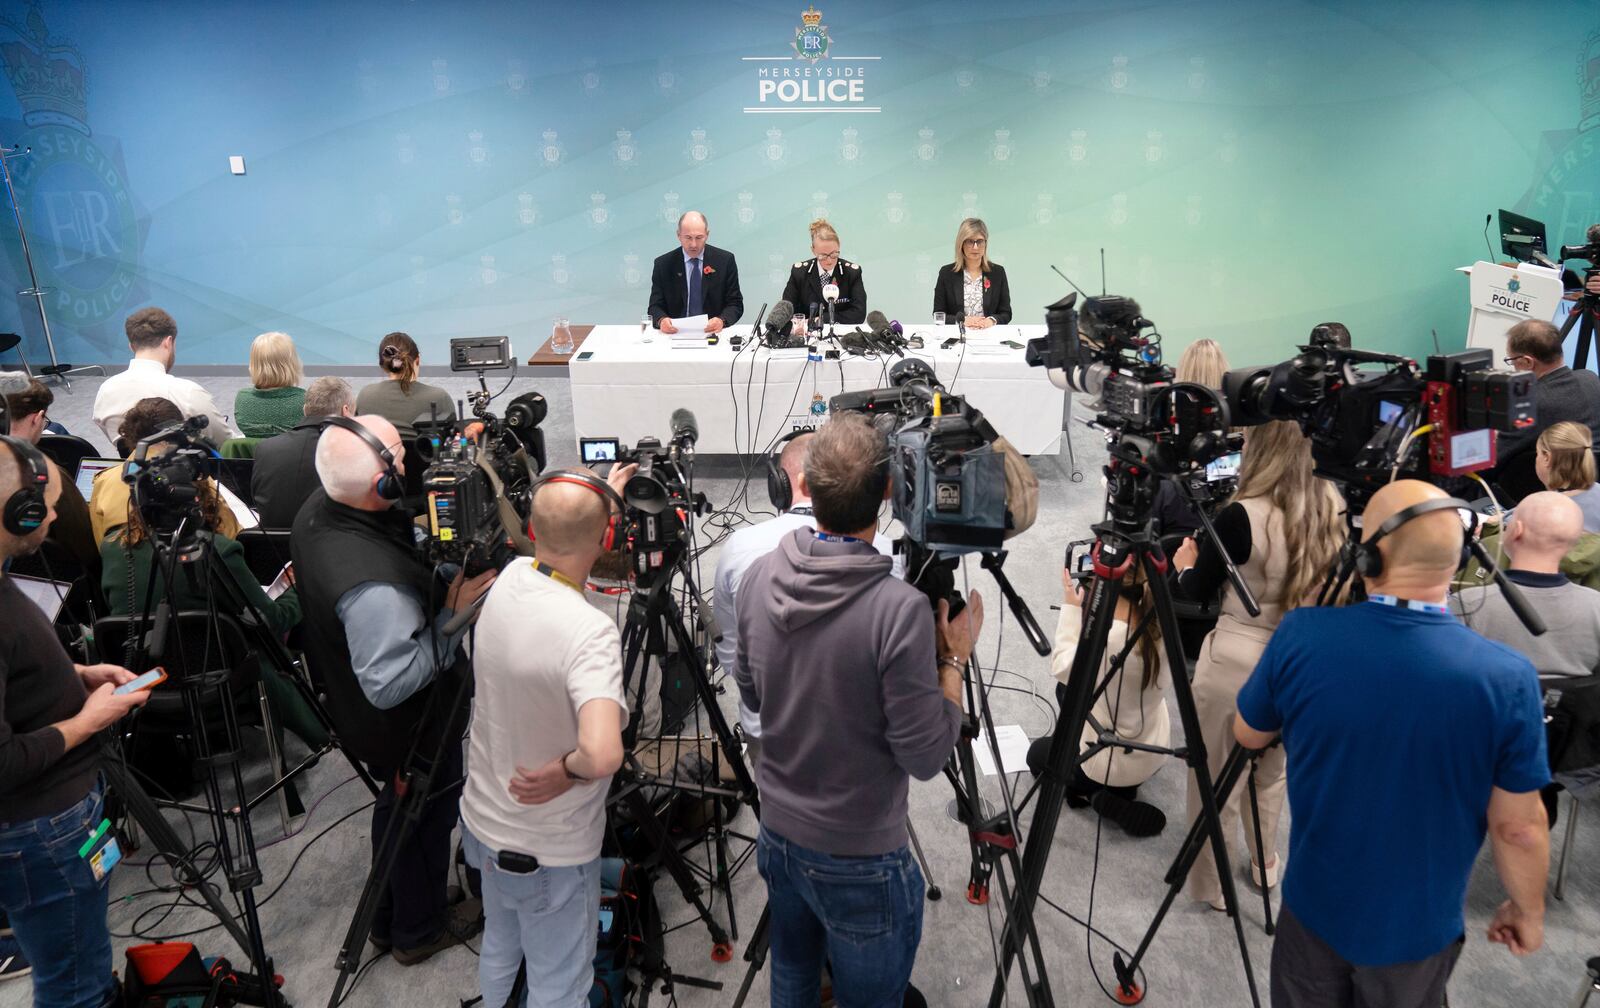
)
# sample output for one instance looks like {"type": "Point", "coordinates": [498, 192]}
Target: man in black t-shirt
{"type": "Point", "coordinates": [50, 795]}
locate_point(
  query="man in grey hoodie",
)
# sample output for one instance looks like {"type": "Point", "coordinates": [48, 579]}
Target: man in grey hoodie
{"type": "Point", "coordinates": [858, 689]}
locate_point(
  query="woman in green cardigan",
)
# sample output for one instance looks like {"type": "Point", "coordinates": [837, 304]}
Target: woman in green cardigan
{"type": "Point", "coordinates": [130, 547]}
{"type": "Point", "coordinates": [275, 402]}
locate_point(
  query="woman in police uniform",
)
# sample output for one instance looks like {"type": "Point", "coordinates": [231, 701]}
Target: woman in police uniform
{"type": "Point", "coordinates": [806, 279]}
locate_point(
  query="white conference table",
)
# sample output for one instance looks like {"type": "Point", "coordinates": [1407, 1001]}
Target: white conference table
{"type": "Point", "coordinates": [626, 383]}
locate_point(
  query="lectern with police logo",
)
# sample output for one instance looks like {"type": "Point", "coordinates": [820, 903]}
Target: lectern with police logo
{"type": "Point", "coordinates": [1502, 296]}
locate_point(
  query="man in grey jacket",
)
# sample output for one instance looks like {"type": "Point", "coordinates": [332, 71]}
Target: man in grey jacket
{"type": "Point", "coordinates": [1559, 393]}
{"type": "Point", "coordinates": [858, 689]}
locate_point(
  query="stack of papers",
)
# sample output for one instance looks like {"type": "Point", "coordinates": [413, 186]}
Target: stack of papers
{"type": "Point", "coordinates": [691, 332]}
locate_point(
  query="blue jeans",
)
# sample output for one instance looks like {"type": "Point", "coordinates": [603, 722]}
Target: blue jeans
{"type": "Point", "coordinates": [864, 913]}
{"type": "Point", "coordinates": [550, 918]}
{"type": "Point", "coordinates": [57, 909]}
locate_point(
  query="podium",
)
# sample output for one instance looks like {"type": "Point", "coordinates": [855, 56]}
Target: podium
{"type": "Point", "coordinates": [1502, 296]}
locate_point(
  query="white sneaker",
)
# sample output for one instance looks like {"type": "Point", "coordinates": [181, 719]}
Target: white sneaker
{"type": "Point", "coordinates": [1274, 873]}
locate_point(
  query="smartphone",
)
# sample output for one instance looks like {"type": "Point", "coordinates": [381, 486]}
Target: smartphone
{"type": "Point", "coordinates": [585, 355]}
{"type": "Point", "coordinates": [281, 583]}
{"type": "Point", "coordinates": [151, 679]}
{"type": "Point", "coordinates": [1013, 344]}
{"type": "Point", "coordinates": [1080, 559]}
{"type": "Point", "coordinates": [598, 449]}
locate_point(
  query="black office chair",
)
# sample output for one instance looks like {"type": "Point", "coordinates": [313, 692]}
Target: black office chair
{"type": "Point", "coordinates": [265, 552]}
{"type": "Point", "coordinates": [221, 665]}
{"type": "Point", "coordinates": [1572, 731]}
{"type": "Point", "coordinates": [11, 341]}
{"type": "Point", "coordinates": [67, 451]}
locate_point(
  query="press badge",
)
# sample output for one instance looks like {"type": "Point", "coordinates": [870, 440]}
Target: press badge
{"type": "Point", "coordinates": [101, 851]}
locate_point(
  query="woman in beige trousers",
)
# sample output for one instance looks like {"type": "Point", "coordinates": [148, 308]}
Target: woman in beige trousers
{"type": "Point", "coordinates": [1283, 529]}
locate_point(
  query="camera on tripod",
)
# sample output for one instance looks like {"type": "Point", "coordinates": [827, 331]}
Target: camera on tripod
{"type": "Point", "coordinates": [659, 497]}
{"type": "Point", "coordinates": [1372, 417]}
{"type": "Point", "coordinates": [475, 486]}
{"type": "Point", "coordinates": [162, 486]}
{"type": "Point", "coordinates": [949, 480]}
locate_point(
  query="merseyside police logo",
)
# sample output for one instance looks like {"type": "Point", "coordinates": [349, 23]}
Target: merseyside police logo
{"type": "Point", "coordinates": [590, 79]}
{"type": "Point", "coordinates": [477, 153]}
{"type": "Point", "coordinates": [923, 273]}
{"type": "Point", "coordinates": [670, 208]}
{"type": "Point", "coordinates": [1152, 146]}
{"type": "Point", "coordinates": [419, 272]}
{"type": "Point", "coordinates": [486, 270]}
{"type": "Point", "coordinates": [1119, 72]}
{"type": "Point", "coordinates": [666, 79]}
{"type": "Point", "coordinates": [527, 213]}
{"type": "Point", "coordinates": [849, 145]}
{"type": "Point", "coordinates": [969, 206]}
{"type": "Point", "coordinates": [811, 38]}
{"type": "Point", "coordinates": [819, 205]}
{"type": "Point", "coordinates": [1041, 78]}
{"type": "Point", "coordinates": [385, 212]}
{"type": "Point", "coordinates": [926, 150]}
{"type": "Point", "coordinates": [632, 275]}
{"type": "Point", "coordinates": [559, 274]}
{"type": "Point", "coordinates": [1078, 149]}
{"type": "Point", "coordinates": [552, 152]}
{"type": "Point", "coordinates": [1119, 210]}
{"type": "Point", "coordinates": [819, 405]}
{"type": "Point", "coordinates": [1044, 209]}
{"type": "Point", "coordinates": [599, 215]}
{"type": "Point", "coordinates": [773, 148]}
{"type": "Point", "coordinates": [441, 77]}
{"type": "Point", "coordinates": [699, 151]}
{"type": "Point", "coordinates": [895, 212]}
{"type": "Point", "coordinates": [1564, 195]}
{"type": "Point", "coordinates": [624, 151]}
{"type": "Point", "coordinates": [404, 149]}
{"type": "Point", "coordinates": [1197, 73]}
{"type": "Point", "coordinates": [1229, 153]}
{"type": "Point", "coordinates": [1000, 151]}
{"type": "Point", "coordinates": [746, 214]}
{"type": "Point", "coordinates": [1193, 214]}
{"type": "Point", "coordinates": [1514, 284]}
{"type": "Point", "coordinates": [776, 270]}
{"type": "Point", "coordinates": [453, 212]}
{"type": "Point", "coordinates": [516, 78]}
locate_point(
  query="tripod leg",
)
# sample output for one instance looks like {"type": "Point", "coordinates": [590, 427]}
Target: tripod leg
{"type": "Point", "coordinates": [756, 954]}
{"type": "Point", "coordinates": [672, 860]}
{"type": "Point", "coordinates": [145, 812]}
{"type": "Point", "coordinates": [1261, 848]}
{"type": "Point", "coordinates": [916, 846]}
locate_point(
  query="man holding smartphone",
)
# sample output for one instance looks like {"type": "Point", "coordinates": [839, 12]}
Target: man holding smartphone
{"type": "Point", "coordinates": [546, 737]}
{"type": "Point", "coordinates": [52, 887]}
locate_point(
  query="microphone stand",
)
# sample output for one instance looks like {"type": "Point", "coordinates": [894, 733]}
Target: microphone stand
{"type": "Point", "coordinates": [56, 370]}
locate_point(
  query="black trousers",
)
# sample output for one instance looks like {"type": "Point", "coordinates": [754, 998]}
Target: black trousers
{"type": "Point", "coordinates": [1307, 973]}
{"type": "Point", "coordinates": [411, 912]}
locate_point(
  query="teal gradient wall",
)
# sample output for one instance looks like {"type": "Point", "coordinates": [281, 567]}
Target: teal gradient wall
{"type": "Point", "coordinates": [1250, 168]}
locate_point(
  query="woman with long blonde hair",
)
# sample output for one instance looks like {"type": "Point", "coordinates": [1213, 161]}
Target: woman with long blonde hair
{"type": "Point", "coordinates": [1203, 363]}
{"type": "Point", "coordinates": [1564, 460]}
{"type": "Point", "coordinates": [971, 287]}
{"type": "Point", "coordinates": [1283, 530]}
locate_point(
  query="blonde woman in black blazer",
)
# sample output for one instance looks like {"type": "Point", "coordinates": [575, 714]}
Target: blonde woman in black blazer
{"type": "Point", "coordinates": [973, 282]}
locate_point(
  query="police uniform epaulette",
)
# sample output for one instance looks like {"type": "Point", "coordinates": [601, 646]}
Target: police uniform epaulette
{"type": "Point", "coordinates": [846, 262]}
{"type": "Point", "coordinates": [802, 263]}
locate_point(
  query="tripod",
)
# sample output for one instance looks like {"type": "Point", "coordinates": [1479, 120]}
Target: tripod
{"type": "Point", "coordinates": [56, 369]}
{"type": "Point", "coordinates": [1583, 314]}
{"type": "Point", "coordinates": [1591, 983]}
{"type": "Point", "coordinates": [207, 689]}
{"type": "Point", "coordinates": [654, 619]}
{"type": "Point", "coordinates": [1126, 538]}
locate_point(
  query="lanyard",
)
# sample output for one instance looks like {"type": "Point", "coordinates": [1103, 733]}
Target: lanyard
{"type": "Point", "coordinates": [830, 537]}
{"type": "Point", "coordinates": [1400, 603]}
{"type": "Point", "coordinates": [555, 575]}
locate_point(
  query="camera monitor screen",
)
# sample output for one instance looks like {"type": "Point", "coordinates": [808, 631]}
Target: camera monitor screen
{"type": "Point", "coordinates": [1521, 236]}
{"type": "Point", "coordinates": [1226, 467]}
{"type": "Point", "coordinates": [598, 449]}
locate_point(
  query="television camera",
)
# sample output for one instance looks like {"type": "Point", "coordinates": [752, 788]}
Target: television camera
{"type": "Point", "coordinates": [660, 497]}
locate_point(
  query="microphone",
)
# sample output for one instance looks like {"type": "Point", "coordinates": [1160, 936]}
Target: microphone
{"type": "Point", "coordinates": [197, 422]}
{"type": "Point", "coordinates": [684, 429]}
{"type": "Point", "coordinates": [830, 292]}
{"type": "Point", "coordinates": [885, 333]}
{"type": "Point", "coordinates": [778, 321]}
{"type": "Point", "coordinates": [961, 327]}
{"type": "Point", "coordinates": [1486, 242]}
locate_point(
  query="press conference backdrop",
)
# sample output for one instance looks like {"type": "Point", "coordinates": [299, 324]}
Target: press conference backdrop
{"type": "Point", "coordinates": [479, 168]}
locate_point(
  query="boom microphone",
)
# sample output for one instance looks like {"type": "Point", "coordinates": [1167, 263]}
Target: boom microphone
{"type": "Point", "coordinates": [778, 320]}
{"type": "Point", "coordinates": [1486, 242]}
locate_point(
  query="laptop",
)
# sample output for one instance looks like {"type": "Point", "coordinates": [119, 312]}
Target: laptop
{"type": "Point", "coordinates": [47, 595]}
{"type": "Point", "coordinates": [89, 468]}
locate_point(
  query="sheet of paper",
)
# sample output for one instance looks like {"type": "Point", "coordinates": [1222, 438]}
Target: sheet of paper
{"type": "Point", "coordinates": [1013, 750]}
{"type": "Point", "coordinates": [692, 324]}
{"type": "Point", "coordinates": [248, 519]}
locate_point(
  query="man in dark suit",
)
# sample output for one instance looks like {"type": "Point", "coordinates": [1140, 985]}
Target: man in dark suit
{"type": "Point", "coordinates": [695, 279]}
{"type": "Point", "coordinates": [1559, 393]}
{"type": "Point", "coordinates": [285, 471]}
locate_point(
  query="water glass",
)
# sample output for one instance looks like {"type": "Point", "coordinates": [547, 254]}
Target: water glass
{"type": "Point", "coordinates": [938, 318]}
{"type": "Point", "coordinates": [797, 327]}
{"type": "Point", "coordinates": [561, 336]}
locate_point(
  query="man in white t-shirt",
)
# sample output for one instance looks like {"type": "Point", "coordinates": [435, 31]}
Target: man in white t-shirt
{"type": "Point", "coordinates": [153, 338]}
{"type": "Point", "coordinates": [546, 737]}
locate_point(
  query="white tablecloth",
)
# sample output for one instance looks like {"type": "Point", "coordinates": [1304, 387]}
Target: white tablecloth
{"type": "Point", "coordinates": [623, 386]}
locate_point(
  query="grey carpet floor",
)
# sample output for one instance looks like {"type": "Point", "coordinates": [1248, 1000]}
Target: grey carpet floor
{"type": "Point", "coordinates": [314, 875]}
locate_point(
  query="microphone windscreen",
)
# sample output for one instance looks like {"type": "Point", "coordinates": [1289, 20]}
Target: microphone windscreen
{"type": "Point", "coordinates": [877, 321]}
{"type": "Point", "coordinates": [830, 292]}
{"type": "Point", "coordinates": [782, 314]}
{"type": "Point", "coordinates": [683, 422]}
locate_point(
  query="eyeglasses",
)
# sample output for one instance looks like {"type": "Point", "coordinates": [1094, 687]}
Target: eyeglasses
{"type": "Point", "coordinates": [976, 242]}
{"type": "Point", "coordinates": [1512, 360]}
{"type": "Point", "coordinates": [828, 257]}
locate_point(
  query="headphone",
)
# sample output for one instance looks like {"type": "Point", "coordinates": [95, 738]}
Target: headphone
{"type": "Point", "coordinates": [26, 509]}
{"type": "Point", "coordinates": [586, 478]}
{"type": "Point", "coordinates": [1369, 562]}
{"type": "Point", "coordinates": [779, 490]}
{"type": "Point", "coordinates": [390, 485]}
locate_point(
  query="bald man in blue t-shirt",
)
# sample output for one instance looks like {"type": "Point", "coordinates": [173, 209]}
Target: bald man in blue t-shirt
{"type": "Point", "coordinates": [1408, 737]}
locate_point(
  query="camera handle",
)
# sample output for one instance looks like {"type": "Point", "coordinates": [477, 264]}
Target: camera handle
{"type": "Point", "coordinates": [1247, 598]}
